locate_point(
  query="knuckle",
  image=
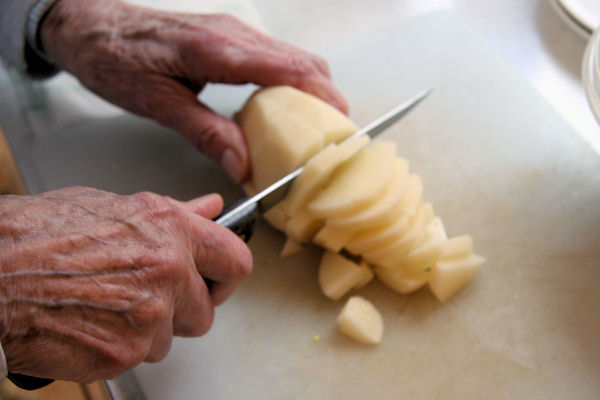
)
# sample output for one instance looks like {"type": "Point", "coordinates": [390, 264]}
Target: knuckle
{"type": "Point", "coordinates": [152, 312]}
{"type": "Point", "coordinates": [118, 358]}
{"type": "Point", "coordinates": [157, 207]}
{"type": "Point", "coordinates": [198, 328]}
{"type": "Point", "coordinates": [148, 200]}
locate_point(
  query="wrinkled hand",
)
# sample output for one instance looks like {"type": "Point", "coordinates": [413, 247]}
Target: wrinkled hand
{"type": "Point", "coordinates": [154, 63]}
{"type": "Point", "coordinates": [92, 283]}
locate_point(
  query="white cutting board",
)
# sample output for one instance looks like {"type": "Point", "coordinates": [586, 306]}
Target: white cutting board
{"type": "Point", "coordinates": [497, 162]}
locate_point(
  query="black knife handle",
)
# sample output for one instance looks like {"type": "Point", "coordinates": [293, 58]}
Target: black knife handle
{"type": "Point", "coordinates": [240, 218]}
{"type": "Point", "coordinates": [28, 382]}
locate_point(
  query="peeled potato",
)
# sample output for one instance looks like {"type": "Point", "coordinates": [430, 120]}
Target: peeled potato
{"type": "Point", "coordinates": [284, 127]}
{"type": "Point", "coordinates": [357, 182]}
{"type": "Point", "coordinates": [324, 118]}
{"type": "Point", "coordinates": [361, 321]}
{"type": "Point", "coordinates": [353, 198]}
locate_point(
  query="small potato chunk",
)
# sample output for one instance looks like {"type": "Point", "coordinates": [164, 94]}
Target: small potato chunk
{"type": "Point", "coordinates": [290, 248]}
{"type": "Point", "coordinates": [367, 275]}
{"type": "Point", "coordinates": [356, 183]}
{"type": "Point", "coordinates": [337, 275]}
{"type": "Point", "coordinates": [361, 321]}
{"type": "Point", "coordinates": [449, 275]}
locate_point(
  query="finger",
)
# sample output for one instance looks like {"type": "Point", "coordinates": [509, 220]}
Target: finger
{"type": "Point", "coordinates": [209, 206]}
{"type": "Point", "coordinates": [220, 257]}
{"type": "Point", "coordinates": [194, 307]}
{"type": "Point", "coordinates": [161, 342]}
{"type": "Point", "coordinates": [298, 69]}
{"type": "Point", "coordinates": [174, 105]}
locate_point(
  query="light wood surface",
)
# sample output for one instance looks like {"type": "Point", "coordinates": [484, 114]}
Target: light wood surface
{"type": "Point", "coordinates": [10, 180]}
{"type": "Point", "coordinates": [59, 390]}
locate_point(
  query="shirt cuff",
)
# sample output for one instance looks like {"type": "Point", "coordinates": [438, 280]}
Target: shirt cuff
{"type": "Point", "coordinates": [38, 63]}
{"type": "Point", "coordinates": [3, 367]}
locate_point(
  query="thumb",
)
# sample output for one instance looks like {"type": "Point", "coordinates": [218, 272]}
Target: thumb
{"type": "Point", "coordinates": [216, 136]}
{"type": "Point", "coordinates": [209, 206]}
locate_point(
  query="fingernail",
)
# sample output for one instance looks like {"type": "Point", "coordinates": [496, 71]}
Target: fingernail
{"type": "Point", "coordinates": [232, 165]}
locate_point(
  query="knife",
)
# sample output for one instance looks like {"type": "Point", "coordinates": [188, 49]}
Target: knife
{"type": "Point", "coordinates": [240, 217]}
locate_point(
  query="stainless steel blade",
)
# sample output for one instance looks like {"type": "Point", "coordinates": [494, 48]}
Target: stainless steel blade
{"type": "Point", "coordinates": [243, 212]}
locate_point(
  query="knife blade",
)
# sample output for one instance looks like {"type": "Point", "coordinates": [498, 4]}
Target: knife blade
{"type": "Point", "coordinates": [241, 216]}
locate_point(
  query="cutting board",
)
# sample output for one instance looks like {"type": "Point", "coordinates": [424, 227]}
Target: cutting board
{"type": "Point", "coordinates": [497, 162]}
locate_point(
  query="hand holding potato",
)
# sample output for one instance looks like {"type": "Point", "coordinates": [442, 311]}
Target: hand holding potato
{"type": "Point", "coordinates": [94, 283]}
{"type": "Point", "coordinates": [154, 63]}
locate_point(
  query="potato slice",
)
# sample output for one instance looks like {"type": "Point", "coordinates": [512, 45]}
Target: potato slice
{"type": "Point", "coordinates": [383, 208]}
{"type": "Point", "coordinates": [337, 275]}
{"type": "Point", "coordinates": [419, 259]}
{"type": "Point", "coordinates": [318, 169]}
{"type": "Point", "coordinates": [413, 195]}
{"type": "Point", "coordinates": [332, 239]}
{"type": "Point", "coordinates": [399, 281]}
{"type": "Point", "coordinates": [356, 183]}
{"type": "Point", "coordinates": [302, 226]}
{"type": "Point", "coordinates": [388, 256]}
{"type": "Point", "coordinates": [361, 321]}
{"type": "Point", "coordinates": [380, 236]}
{"type": "Point", "coordinates": [449, 275]}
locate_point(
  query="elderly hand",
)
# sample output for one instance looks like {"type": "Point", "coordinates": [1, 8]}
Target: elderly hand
{"type": "Point", "coordinates": [154, 63]}
{"type": "Point", "coordinates": [94, 283]}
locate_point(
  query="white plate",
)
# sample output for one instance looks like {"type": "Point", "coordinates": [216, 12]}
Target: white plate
{"type": "Point", "coordinates": [583, 15]}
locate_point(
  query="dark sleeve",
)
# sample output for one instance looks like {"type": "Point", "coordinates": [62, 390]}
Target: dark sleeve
{"type": "Point", "coordinates": [19, 44]}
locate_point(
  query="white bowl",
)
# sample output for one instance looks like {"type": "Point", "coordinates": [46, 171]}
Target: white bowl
{"type": "Point", "coordinates": [591, 73]}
